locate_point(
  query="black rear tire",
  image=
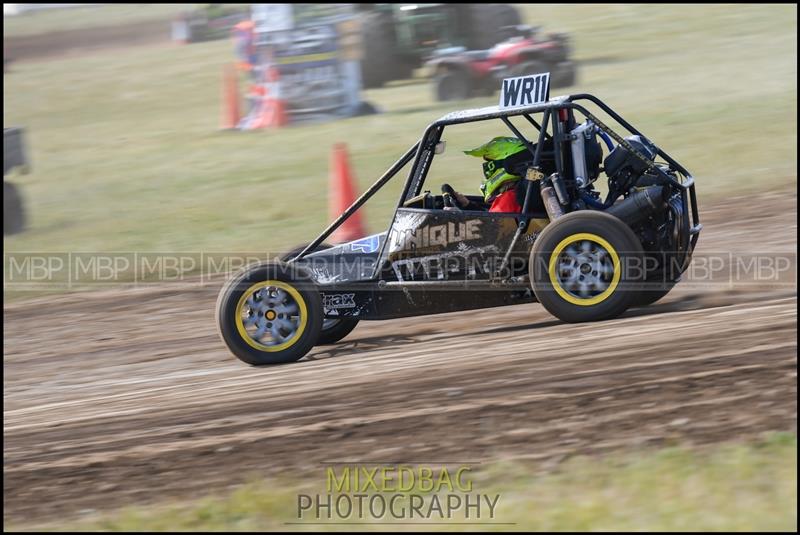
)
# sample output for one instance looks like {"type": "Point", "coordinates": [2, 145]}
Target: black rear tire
{"type": "Point", "coordinates": [649, 296]}
{"type": "Point", "coordinates": [529, 67]}
{"type": "Point", "coordinates": [586, 244]}
{"type": "Point", "coordinates": [564, 74]}
{"type": "Point", "coordinates": [232, 304]}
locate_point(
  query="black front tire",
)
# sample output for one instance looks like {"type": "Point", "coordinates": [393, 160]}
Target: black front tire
{"type": "Point", "coordinates": [333, 330]}
{"type": "Point", "coordinates": [452, 84]}
{"type": "Point", "coordinates": [606, 238]}
{"type": "Point", "coordinates": [296, 282]}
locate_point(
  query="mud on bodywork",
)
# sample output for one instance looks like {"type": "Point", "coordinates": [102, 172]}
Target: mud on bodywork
{"type": "Point", "coordinates": [368, 278]}
{"type": "Point", "coordinates": [441, 245]}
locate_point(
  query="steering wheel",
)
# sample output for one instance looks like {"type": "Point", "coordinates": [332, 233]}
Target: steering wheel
{"type": "Point", "coordinates": [449, 197]}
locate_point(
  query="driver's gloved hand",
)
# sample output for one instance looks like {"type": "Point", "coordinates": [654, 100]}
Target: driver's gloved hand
{"type": "Point", "coordinates": [461, 199]}
{"type": "Point", "coordinates": [457, 200]}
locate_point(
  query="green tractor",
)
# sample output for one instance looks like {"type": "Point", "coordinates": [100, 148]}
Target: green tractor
{"type": "Point", "coordinates": [14, 157]}
{"type": "Point", "coordinates": [398, 38]}
{"type": "Point", "coordinates": [209, 22]}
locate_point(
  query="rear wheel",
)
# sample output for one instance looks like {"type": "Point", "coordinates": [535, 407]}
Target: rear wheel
{"type": "Point", "coordinates": [584, 267]}
{"type": "Point", "coordinates": [564, 74]}
{"type": "Point", "coordinates": [528, 67]}
{"type": "Point", "coordinates": [269, 314]}
{"type": "Point", "coordinates": [333, 329]}
{"type": "Point", "coordinates": [648, 296]}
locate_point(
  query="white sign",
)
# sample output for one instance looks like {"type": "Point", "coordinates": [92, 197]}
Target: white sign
{"type": "Point", "coordinates": [272, 17]}
{"type": "Point", "coordinates": [525, 90]}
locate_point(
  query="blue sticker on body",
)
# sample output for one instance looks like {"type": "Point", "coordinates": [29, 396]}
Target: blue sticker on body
{"type": "Point", "coordinates": [369, 244]}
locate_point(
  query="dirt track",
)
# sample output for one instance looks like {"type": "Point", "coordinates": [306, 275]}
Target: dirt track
{"type": "Point", "coordinates": [122, 398]}
{"type": "Point", "coordinates": [75, 42]}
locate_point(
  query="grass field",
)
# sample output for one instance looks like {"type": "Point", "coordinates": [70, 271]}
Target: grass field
{"type": "Point", "coordinates": [728, 488]}
{"type": "Point", "coordinates": [127, 155]}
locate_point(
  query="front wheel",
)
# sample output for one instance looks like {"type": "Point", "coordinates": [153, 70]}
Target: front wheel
{"type": "Point", "coordinates": [333, 329]}
{"type": "Point", "coordinates": [585, 266]}
{"type": "Point", "coordinates": [269, 314]}
{"type": "Point", "coordinates": [452, 84]}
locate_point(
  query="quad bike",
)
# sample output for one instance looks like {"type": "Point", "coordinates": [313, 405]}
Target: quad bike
{"type": "Point", "coordinates": [459, 73]}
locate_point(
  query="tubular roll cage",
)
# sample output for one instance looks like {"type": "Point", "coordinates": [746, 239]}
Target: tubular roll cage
{"type": "Point", "coordinates": [422, 154]}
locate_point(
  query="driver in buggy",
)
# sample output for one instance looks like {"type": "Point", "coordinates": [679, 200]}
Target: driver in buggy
{"type": "Point", "coordinates": [505, 160]}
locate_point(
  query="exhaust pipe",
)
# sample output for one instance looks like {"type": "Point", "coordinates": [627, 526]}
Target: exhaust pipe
{"type": "Point", "coordinates": [551, 203]}
{"type": "Point", "coordinates": [640, 205]}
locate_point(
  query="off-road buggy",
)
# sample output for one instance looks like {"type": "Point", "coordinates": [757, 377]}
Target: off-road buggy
{"type": "Point", "coordinates": [459, 73]}
{"type": "Point", "coordinates": [585, 256]}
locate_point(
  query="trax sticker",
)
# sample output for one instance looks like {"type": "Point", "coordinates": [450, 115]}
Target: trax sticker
{"type": "Point", "coordinates": [525, 90]}
{"type": "Point", "coordinates": [403, 239]}
{"type": "Point", "coordinates": [333, 301]}
{"type": "Point", "coordinates": [366, 245]}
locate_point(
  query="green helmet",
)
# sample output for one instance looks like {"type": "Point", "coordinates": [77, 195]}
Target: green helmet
{"type": "Point", "coordinates": [494, 152]}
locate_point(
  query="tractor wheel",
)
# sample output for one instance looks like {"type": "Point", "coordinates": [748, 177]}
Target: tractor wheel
{"type": "Point", "coordinates": [269, 313]}
{"type": "Point", "coordinates": [13, 210]}
{"type": "Point", "coordinates": [333, 329]}
{"type": "Point", "coordinates": [378, 65]}
{"type": "Point", "coordinates": [585, 266]}
{"type": "Point", "coordinates": [452, 84]}
{"type": "Point", "coordinates": [486, 23]}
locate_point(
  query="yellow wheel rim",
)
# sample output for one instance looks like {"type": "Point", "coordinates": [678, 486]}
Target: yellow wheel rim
{"type": "Point", "coordinates": [584, 269]}
{"type": "Point", "coordinates": [271, 316]}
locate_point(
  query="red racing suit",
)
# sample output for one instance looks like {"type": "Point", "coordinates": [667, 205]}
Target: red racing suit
{"type": "Point", "coordinates": [506, 202]}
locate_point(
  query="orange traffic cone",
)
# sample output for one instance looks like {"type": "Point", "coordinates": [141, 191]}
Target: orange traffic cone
{"type": "Point", "coordinates": [341, 195]}
{"type": "Point", "coordinates": [278, 116]}
{"type": "Point", "coordinates": [271, 109]}
{"type": "Point", "coordinates": [230, 98]}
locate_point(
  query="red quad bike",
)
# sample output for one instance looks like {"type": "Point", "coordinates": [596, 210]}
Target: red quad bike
{"type": "Point", "coordinates": [459, 73]}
